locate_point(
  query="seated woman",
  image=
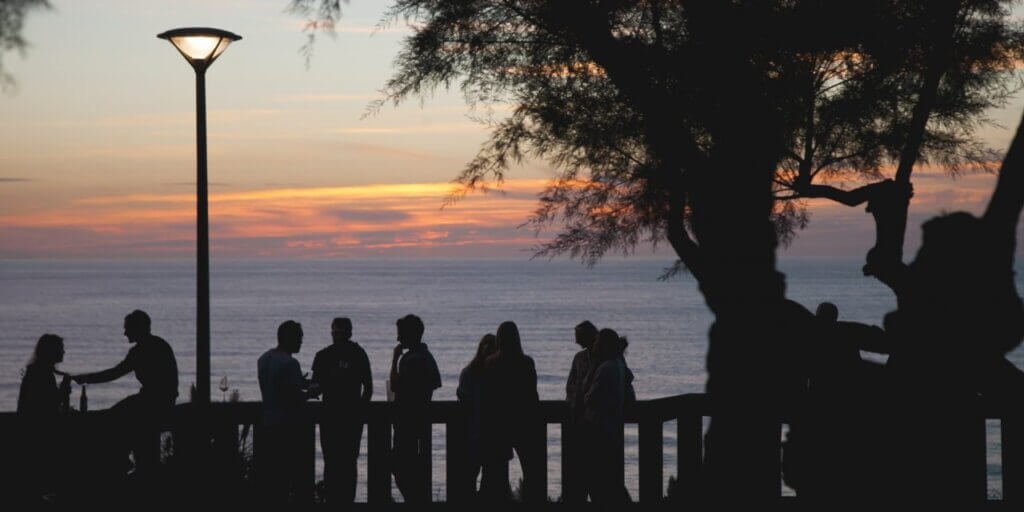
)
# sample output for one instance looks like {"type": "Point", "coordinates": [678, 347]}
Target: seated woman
{"type": "Point", "coordinates": [39, 395]}
{"type": "Point", "coordinates": [40, 404]}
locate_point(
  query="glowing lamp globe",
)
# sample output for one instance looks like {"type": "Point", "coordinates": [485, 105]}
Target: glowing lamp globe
{"type": "Point", "coordinates": [200, 45]}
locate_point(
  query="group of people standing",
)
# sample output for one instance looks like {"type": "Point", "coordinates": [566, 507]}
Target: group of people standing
{"type": "Point", "coordinates": [342, 376]}
{"type": "Point", "coordinates": [499, 387]}
{"type": "Point", "coordinates": [498, 390]}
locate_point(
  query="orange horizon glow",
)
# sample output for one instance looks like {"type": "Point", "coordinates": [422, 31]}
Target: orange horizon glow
{"type": "Point", "coordinates": [359, 220]}
{"type": "Point", "coordinates": [327, 221]}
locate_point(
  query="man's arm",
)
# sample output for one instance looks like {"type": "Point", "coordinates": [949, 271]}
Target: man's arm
{"type": "Point", "coordinates": [295, 383]}
{"type": "Point", "coordinates": [318, 369]}
{"type": "Point", "coordinates": [570, 383]}
{"type": "Point", "coordinates": [393, 378]}
{"type": "Point", "coordinates": [532, 379]}
{"type": "Point", "coordinates": [123, 368]}
{"type": "Point", "coordinates": [317, 383]}
{"type": "Point", "coordinates": [367, 378]}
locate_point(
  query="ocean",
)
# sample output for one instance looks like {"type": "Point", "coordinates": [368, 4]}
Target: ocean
{"type": "Point", "coordinates": [85, 302]}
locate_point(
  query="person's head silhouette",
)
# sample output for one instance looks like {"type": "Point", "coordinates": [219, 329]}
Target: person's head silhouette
{"type": "Point", "coordinates": [410, 330]}
{"type": "Point", "coordinates": [136, 326]}
{"type": "Point", "coordinates": [49, 350]}
{"type": "Point", "coordinates": [341, 329]}
{"type": "Point", "coordinates": [608, 345]}
{"type": "Point", "coordinates": [586, 333]}
{"type": "Point", "coordinates": [289, 336]}
{"type": "Point", "coordinates": [508, 341]}
{"type": "Point", "coordinates": [827, 312]}
{"type": "Point", "coordinates": [487, 346]}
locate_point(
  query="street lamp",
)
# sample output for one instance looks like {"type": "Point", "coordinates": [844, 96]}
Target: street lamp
{"type": "Point", "coordinates": [201, 46]}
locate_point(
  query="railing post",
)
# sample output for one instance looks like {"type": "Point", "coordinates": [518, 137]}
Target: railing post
{"type": "Point", "coordinates": [536, 489]}
{"type": "Point", "coordinates": [378, 456]}
{"type": "Point", "coordinates": [651, 471]}
{"type": "Point", "coordinates": [307, 484]}
{"type": "Point", "coordinates": [457, 470]}
{"type": "Point", "coordinates": [689, 456]}
{"type": "Point", "coordinates": [570, 481]}
{"type": "Point", "coordinates": [1012, 430]}
{"type": "Point", "coordinates": [426, 454]}
{"type": "Point", "coordinates": [979, 454]}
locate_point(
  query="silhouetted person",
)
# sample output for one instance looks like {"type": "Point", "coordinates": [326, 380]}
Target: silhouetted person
{"type": "Point", "coordinates": [145, 413]}
{"type": "Point", "coordinates": [838, 351]}
{"type": "Point", "coordinates": [41, 403]}
{"type": "Point", "coordinates": [414, 377]}
{"type": "Point", "coordinates": [342, 373]}
{"type": "Point", "coordinates": [629, 394]}
{"type": "Point", "coordinates": [284, 391]}
{"type": "Point", "coordinates": [574, 489]}
{"type": "Point", "coordinates": [469, 393]}
{"type": "Point", "coordinates": [603, 416]}
{"type": "Point", "coordinates": [508, 408]}
{"type": "Point", "coordinates": [39, 396]}
{"type": "Point", "coordinates": [830, 451]}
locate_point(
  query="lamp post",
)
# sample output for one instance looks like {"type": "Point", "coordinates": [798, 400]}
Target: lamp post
{"type": "Point", "coordinates": [201, 46]}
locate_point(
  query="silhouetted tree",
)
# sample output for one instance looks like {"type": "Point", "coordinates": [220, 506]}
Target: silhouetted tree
{"type": "Point", "coordinates": [12, 21]}
{"type": "Point", "coordinates": [691, 122]}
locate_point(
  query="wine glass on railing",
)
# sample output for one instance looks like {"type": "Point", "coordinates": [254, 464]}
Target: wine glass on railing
{"type": "Point", "coordinates": [224, 388]}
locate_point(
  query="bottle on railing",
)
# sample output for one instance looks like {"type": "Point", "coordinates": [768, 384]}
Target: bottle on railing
{"type": "Point", "coordinates": [83, 401]}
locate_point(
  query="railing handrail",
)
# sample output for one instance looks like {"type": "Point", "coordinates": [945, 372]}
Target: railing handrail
{"type": "Point", "coordinates": [650, 415]}
{"type": "Point", "coordinates": [551, 411]}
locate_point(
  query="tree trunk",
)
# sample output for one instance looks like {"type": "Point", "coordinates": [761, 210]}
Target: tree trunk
{"type": "Point", "coordinates": [731, 204]}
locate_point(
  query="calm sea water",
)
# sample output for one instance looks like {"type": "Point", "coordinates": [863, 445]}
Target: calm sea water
{"type": "Point", "coordinates": [459, 301]}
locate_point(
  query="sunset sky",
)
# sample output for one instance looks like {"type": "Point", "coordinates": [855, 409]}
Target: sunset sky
{"type": "Point", "coordinates": [97, 146]}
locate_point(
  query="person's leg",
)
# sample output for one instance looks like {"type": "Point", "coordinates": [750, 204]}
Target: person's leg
{"type": "Point", "coordinates": [156, 414]}
{"type": "Point", "coordinates": [529, 463]}
{"type": "Point", "coordinates": [329, 448]}
{"type": "Point", "coordinates": [348, 462]}
{"type": "Point", "coordinates": [128, 417]}
{"type": "Point", "coordinates": [272, 462]}
{"type": "Point", "coordinates": [494, 485]}
{"type": "Point", "coordinates": [572, 485]}
{"type": "Point", "coordinates": [400, 460]}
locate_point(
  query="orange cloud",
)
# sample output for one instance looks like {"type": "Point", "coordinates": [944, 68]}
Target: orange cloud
{"type": "Point", "coordinates": [383, 219]}
{"type": "Point", "coordinates": [315, 219]}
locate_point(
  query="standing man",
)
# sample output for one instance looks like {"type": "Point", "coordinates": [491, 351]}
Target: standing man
{"type": "Point", "coordinates": [342, 373]}
{"type": "Point", "coordinates": [144, 413]}
{"type": "Point", "coordinates": [575, 389]}
{"type": "Point", "coordinates": [284, 391]}
{"type": "Point", "coordinates": [414, 377]}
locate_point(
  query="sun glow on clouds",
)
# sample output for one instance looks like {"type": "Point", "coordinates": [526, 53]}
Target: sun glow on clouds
{"type": "Point", "coordinates": [386, 220]}
{"type": "Point", "coordinates": [394, 219]}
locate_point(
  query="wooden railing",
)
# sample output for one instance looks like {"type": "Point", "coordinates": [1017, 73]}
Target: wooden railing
{"type": "Point", "coordinates": [226, 420]}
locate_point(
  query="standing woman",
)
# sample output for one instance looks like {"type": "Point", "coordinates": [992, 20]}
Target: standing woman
{"type": "Point", "coordinates": [603, 417]}
{"type": "Point", "coordinates": [469, 394]}
{"type": "Point", "coordinates": [508, 405]}
{"type": "Point", "coordinates": [40, 404]}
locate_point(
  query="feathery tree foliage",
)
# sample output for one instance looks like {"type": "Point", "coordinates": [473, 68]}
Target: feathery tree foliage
{"type": "Point", "coordinates": [605, 90]}
{"type": "Point", "coordinates": [703, 123]}
{"type": "Point", "coordinates": [12, 21]}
